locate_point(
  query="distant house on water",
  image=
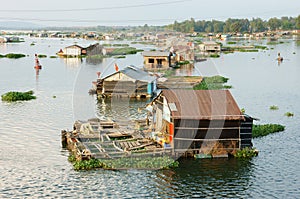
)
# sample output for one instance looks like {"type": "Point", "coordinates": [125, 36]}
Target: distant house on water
{"type": "Point", "coordinates": [210, 46]}
{"type": "Point", "coordinates": [73, 51]}
{"type": "Point", "coordinates": [156, 60]}
{"type": "Point", "coordinates": [129, 82]}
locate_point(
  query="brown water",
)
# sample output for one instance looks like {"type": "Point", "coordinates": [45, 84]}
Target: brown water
{"type": "Point", "coordinates": [33, 164]}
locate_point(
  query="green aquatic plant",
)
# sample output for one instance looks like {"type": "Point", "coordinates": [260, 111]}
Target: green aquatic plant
{"type": "Point", "coordinates": [163, 162]}
{"type": "Point", "coordinates": [42, 56]}
{"type": "Point", "coordinates": [246, 153]}
{"type": "Point", "coordinates": [214, 55]}
{"type": "Point", "coordinates": [289, 114]}
{"type": "Point", "coordinates": [231, 42]}
{"type": "Point", "coordinates": [243, 110]}
{"type": "Point", "coordinates": [72, 158]}
{"type": "Point", "coordinates": [125, 51]}
{"type": "Point", "coordinates": [213, 83]}
{"type": "Point", "coordinates": [183, 62]}
{"type": "Point", "coordinates": [13, 96]}
{"type": "Point", "coordinates": [12, 56]}
{"type": "Point", "coordinates": [120, 57]}
{"type": "Point", "coordinates": [274, 107]}
{"type": "Point", "coordinates": [260, 130]}
{"type": "Point", "coordinates": [261, 47]}
{"type": "Point", "coordinates": [87, 164]}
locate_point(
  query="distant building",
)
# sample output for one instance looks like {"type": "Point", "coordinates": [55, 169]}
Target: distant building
{"type": "Point", "coordinates": [74, 51]}
{"type": "Point", "coordinates": [210, 46]}
{"type": "Point", "coordinates": [183, 52]}
{"type": "Point", "coordinates": [95, 49]}
{"type": "Point", "coordinates": [107, 51]}
{"type": "Point", "coordinates": [3, 40]}
{"type": "Point", "coordinates": [128, 82]}
{"type": "Point", "coordinates": [156, 60]}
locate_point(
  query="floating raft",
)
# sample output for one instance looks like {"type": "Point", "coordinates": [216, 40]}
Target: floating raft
{"type": "Point", "coordinates": [105, 140]}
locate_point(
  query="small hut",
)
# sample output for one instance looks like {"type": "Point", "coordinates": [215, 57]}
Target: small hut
{"type": "Point", "coordinates": [199, 122]}
{"type": "Point", "coordinates": [130, 82]}
{"type": "Point", "coordinates": [156, 60]}
{"type": "Point", "coordinates": [210, 46]}
{"type": "Point", "coordinates": [73, 51]}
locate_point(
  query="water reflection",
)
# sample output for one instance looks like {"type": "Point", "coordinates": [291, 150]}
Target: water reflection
{"type": "Point", "coordinates": [207, 178]}
{"type": "Point", "coordinates": [121, 109]}
{"type": "Point", "coordinates": [72, 62]}
{"type": "Point", "coordinates": [93, 61]}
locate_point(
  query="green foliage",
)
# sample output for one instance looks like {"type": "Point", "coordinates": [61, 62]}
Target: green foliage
{"type": "Point", "coordinates": [163, 162]}
{"type": "Point", "coordinates": [274, 43]}
{"type": "Point", "coordinates": [88, 164]}
{"type": "Point", "coordinates": [12, 56]}
{"type": "Point", "coordinates": [72, 158]}
{"type": "Point", "coordinates": [248, 50]}
{"type": "Point", "coordinates": [261, 130]}
{"type": "Point", "coordinates": [97, 56]}
{"type": "Point", "coordinates": [243, 110]}
{"type": "Point", "coordinates": [289, 114]}
{"type": "Point", "coordinates": [246, 153]}
{"type": "Point", "coordinates": [183, 63]}
{"type": "Point", "coordinates": [53, 56]}
{"type": "Point", "coordinates": [298, 22]}
{"type": "Point", "coordinates": [214, 55]}
{"type": "Point", "coordinates": [213, 83]}
{"type": "Point", "coordinates": [274, 107]}
{"type": "Point", "coordinates": [231, 42]}
{"type": "Point", "coordinates": [261, 47]}
{"type": "Point", "coordinates": [239, 49]}
{"type": "Point", "coordinates": [125, 51]}
{"type": "Point", "coordinates": [17, 96]}
{"type": "Point", "coordinates": [235, 25]}
{"type": "Point", "coordinates": [42, 56]}
{"type": "Point", "coordinates": [120, 57]}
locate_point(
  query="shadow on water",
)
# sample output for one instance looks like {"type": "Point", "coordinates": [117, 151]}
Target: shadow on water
{"type": "Point", "coordinates": [94, 61]}
{"type": "Point", "coordinates": [122, 108]}
{"type": "Point", "coordinates": [207, 178]}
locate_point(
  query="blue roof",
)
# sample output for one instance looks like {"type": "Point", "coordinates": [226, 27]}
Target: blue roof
{"type": "Point", "coordinates": [136, 73]}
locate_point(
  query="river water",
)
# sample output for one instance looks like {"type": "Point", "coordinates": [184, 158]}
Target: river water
{"type": "Point", "coordinates": [33, 164]}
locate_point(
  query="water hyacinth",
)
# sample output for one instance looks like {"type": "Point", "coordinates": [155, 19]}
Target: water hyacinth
{"type": "Point", "coordinates": [17, 96]}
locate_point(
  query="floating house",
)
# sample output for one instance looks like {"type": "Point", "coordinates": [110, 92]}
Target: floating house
{"type": "Point", "coordinates": [199, 122]}
{"type": "Point", "coordinates": [3, 40]}
{"type": "Point", "coordinates": [183, 52]}
{"type": "Point", "coordinates": [210, 46]}
{"type": "Point", "coordinates": [129, 82]}
{"type": "Point", "coordinates": [73, 51]}
{"type": "Point", "coordinates": [156, 60]}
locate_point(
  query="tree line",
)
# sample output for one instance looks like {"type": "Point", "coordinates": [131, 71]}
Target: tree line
{"type": "Point", "coordinates": [236, 25]}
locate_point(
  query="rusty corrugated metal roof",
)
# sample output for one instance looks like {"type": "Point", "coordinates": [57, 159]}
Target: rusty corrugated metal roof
{"type": "Point", "coordinates": [203, 104]}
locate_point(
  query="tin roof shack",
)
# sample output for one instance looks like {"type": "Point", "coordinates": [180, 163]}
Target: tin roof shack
{"type": "Point", "coordinates": [200, 122]}
{"type": "Point", "coordinates": [156, 60]}
{"type": "Point", "coordinates": [73, 51]}
{"type": "Point", "coordinates": [210, 46]}
{"type": "Point", "coordinates": [130, 82]}
{"type": "Point", "coordinates": [94, 49]}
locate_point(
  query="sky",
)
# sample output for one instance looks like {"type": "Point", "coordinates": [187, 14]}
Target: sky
{"type": "Point", "coordinates": [140, 12]}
